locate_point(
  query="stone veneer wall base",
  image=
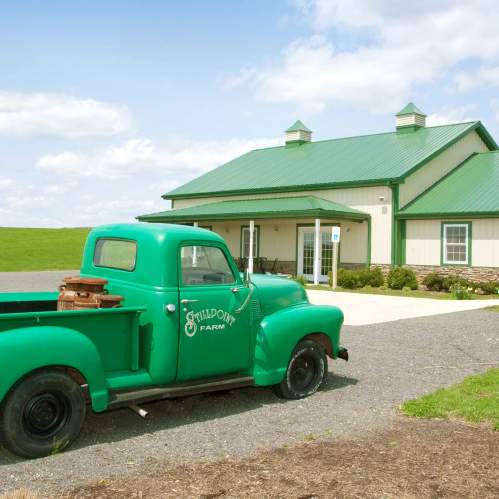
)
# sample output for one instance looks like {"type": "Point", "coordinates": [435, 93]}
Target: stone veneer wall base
{"type": "Point", "coordinates": [478, 274]}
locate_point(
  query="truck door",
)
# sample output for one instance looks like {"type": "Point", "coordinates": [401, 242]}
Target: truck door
{"type": "Point", "coordinates": [215, 336]}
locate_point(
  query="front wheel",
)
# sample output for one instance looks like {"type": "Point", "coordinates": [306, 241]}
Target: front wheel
{"type": "Point", "coordinates": [43, 414]}
{"type": "Point", "coordinates": [306, 371]}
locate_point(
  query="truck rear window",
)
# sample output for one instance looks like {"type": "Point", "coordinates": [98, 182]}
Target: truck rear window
{"type": "Point", "coordinates": [115, 254]}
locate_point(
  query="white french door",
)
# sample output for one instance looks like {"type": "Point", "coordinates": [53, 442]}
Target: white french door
{"type": "Point", "coordinates": [305, 255]}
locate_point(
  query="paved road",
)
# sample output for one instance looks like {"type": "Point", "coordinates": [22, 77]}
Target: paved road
{"type": "Point", "coordinates": [389, 363]}
{"type": "Point", "coordinates": [33, 281]}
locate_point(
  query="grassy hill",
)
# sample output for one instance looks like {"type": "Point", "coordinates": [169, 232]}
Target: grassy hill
{"type": "Point", "coordinates": [41, 249]}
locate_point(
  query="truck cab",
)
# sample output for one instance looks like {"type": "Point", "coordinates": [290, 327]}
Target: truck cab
{"type": "Point", "coordinates": [190, 322]}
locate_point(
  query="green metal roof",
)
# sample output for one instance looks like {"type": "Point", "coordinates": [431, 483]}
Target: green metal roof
{"type": "Point", "coordinates": [298, 126]}
{"type": "Point", "coordinates": [470, 189]}
{"type": "Point", "coordinates": [369, 159]}
{"type": "Point", "coordinates": [411, 108]}
{"type": "Point", "coordinates": [286, 207]}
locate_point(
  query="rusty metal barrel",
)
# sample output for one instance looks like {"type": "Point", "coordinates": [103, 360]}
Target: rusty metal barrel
{"type": "Point", "coordinates": [81, 293]}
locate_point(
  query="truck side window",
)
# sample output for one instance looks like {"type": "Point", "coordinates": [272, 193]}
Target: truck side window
{"type": "Point", "coordinates": [205, 265]}
{"type": "Point", "coordinates": [118, 254]}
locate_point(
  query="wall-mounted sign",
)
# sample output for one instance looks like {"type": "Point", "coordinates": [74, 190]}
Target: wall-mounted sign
{"type": "Point", "coordinates": [335, 236]}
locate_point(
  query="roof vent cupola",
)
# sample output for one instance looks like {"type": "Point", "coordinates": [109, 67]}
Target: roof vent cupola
{"type": "Point", "coordinates": [410, 118]}
{"type": "Point", "coordinates": [298, 134]}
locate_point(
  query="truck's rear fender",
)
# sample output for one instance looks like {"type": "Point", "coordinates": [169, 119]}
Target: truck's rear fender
{"type": "Point", "coordinates": [280, 332]}
{"type": "Point", "coordinates": [25, 350]}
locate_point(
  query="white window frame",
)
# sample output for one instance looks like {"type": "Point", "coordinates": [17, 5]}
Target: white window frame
{"type": "Point", "coordinates": [465, 244]}
{"type": "Point", "coordinates": [256, 240]}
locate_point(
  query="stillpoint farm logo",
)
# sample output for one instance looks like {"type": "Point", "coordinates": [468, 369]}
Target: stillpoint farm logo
{"type": "Point", "coordinates": [193, 320]}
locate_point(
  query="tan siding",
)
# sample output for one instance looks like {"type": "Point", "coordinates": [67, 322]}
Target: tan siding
{"type": "Point", "coordinates": [278, 238]}
{"type": "Point", "coordinates": [366, 199]}
{"type": "Point", "coordinates": [423, 242]}
{"type": "Point", "coordinates": [485, 242]}
{"type": "Point", "coordinates": [423, 178]}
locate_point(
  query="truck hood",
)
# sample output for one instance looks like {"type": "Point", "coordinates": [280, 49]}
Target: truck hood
{"type": "Point", "coordinates": [276, 292]}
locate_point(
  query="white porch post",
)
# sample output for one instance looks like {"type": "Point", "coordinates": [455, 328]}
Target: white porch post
{"type": "Point", "coordinates": [317, 251]}
{"type": "Point", "coordinates": [250, 256]}
{"type": "Point", "coordinates": [195, 251]}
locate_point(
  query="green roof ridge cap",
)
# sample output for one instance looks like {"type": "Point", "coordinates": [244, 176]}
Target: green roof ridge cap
{"type": "Point", "coordinates": [298, 126]}
{"type": "Point", "coordinates": [410, 108]}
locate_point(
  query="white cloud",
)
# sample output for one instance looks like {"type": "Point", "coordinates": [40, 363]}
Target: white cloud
{"type": "Point", "coordinates": [139, 156]}
{"type": "Point", "coordinates": [5, 182]}
{"type": "Point", "coordinates": [483, 76]}
{"type": "Point", "coordinates": [398, 47]}
{"type": "Point", "coordinates": [454, 115]}
{"type": "Point", "coordinates": [53, 114]}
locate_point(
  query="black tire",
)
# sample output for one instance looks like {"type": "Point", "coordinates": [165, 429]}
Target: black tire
{"type": "Point", "coordinates": [43, 414]}
{"type": "Point", "coordinates": [306, 373]}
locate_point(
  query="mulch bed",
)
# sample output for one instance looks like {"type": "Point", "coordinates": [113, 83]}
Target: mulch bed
{"type": "Point", "coordinates": [415, 459]}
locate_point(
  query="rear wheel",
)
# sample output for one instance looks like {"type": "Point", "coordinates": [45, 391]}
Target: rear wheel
{"type": "Point", "coordinates": [306, 371]}
{"type": "Point", "coordinates": [43, 414]}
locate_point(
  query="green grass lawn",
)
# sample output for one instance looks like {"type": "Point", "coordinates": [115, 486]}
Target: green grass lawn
{"type": "Point", "coordinates": [417, 293]}
{"type": "Point", "coordinates": [494, 308]}
{"type": "Point", "coordinates": [475, 399]}
{"type": "Point", "coordinates": [41, 249]}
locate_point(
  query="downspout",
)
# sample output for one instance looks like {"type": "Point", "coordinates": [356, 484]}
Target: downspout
{"type": "Point", "coordinates": [368, 256]}
{"type": "Point", "coordinates": [395, 209]}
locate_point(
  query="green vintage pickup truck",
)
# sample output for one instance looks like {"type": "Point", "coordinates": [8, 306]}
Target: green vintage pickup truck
{"type": "Point", "coordinates": [190, 323]}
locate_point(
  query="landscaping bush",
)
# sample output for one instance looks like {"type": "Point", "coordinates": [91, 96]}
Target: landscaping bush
{"type": "Point", "coordinates": [353, 279]}
{"type": "Point", "coordinates": [452, 281]}
{"type": "Point", "coordinates": [434, 281]}
{"type": "Point", "coordinates": [371, 277]}
{"type": "Point", "coordinates": [401, 277]}
{"type": "Point", "coordinates": [348, 279]}
{"type": "Point", "coordinates": [487, 288]}
{"type": "Point", "coordinates": [460, 293]}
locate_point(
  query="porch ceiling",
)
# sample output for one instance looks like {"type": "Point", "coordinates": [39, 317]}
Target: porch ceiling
{"type": "Point", "coordinates": [257, 209]}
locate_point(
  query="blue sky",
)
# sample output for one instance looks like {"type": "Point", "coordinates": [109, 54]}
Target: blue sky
{"type": "Point", "coordinates": [104, 106]}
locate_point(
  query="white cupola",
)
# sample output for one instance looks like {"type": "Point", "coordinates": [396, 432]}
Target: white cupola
{"type": "Point", "coordinates": [410, 117]}
{"type": "Point", "coordinates": [298, 134]}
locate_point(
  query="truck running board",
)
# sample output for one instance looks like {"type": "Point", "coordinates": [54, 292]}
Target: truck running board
{"type": "Point", "coordinates": [147, 394]}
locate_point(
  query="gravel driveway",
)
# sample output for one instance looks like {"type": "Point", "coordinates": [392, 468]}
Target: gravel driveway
{"type": "Point", "coordinates": [389, 363]}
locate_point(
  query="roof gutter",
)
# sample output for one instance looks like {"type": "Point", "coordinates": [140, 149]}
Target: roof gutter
{"type": "Point", "coordinates": [297, 188]}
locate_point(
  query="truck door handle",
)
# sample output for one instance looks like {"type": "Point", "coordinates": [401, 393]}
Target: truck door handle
{"type": "Point", "coordinates": [185, 301]}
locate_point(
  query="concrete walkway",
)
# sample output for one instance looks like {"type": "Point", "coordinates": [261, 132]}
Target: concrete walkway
{"type": "Point", "coordinates": [361, 309]}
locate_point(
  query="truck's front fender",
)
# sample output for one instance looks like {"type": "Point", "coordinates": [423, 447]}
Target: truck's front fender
{"type": "Point", "coordinates": [27, 349]}
{"type": "Point", "coordinates": [280, 332]}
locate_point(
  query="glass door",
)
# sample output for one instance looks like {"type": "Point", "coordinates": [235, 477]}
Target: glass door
{"type": "Point", "coordinates": [306, 236]}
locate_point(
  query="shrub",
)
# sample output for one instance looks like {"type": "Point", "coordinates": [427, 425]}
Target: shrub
{"type": "Point", "coordinates": [488, 288]}
{"type": "Point", "coordinates": [371, 277]}
{"type": "Point", "coordinates": [348, 279]}
{"type": "Point", "coordinates": [460, 293]}
{"type": "Point", "coordinates": [401, 277]}
{"type": "Point", "coordinates": [353, 279]}
{"type": "Point", "coordinates": [434, 281]}
{"type": "Point", "coordinates": [452, 281]}
{"type": "Point", "coordinates": [300, 279]}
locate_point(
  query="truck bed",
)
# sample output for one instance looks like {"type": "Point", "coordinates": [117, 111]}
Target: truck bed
{"type": "Point", "coordinates": [28, 302]}
{"type": "Point", "coordinates": [114, 331]}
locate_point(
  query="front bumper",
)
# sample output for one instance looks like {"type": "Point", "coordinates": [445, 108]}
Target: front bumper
{"type": "Point", "coordinates": [343, 353]}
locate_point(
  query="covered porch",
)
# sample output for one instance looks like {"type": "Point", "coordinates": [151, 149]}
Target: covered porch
{"type": "Point", "coordinates": [288, 235]}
